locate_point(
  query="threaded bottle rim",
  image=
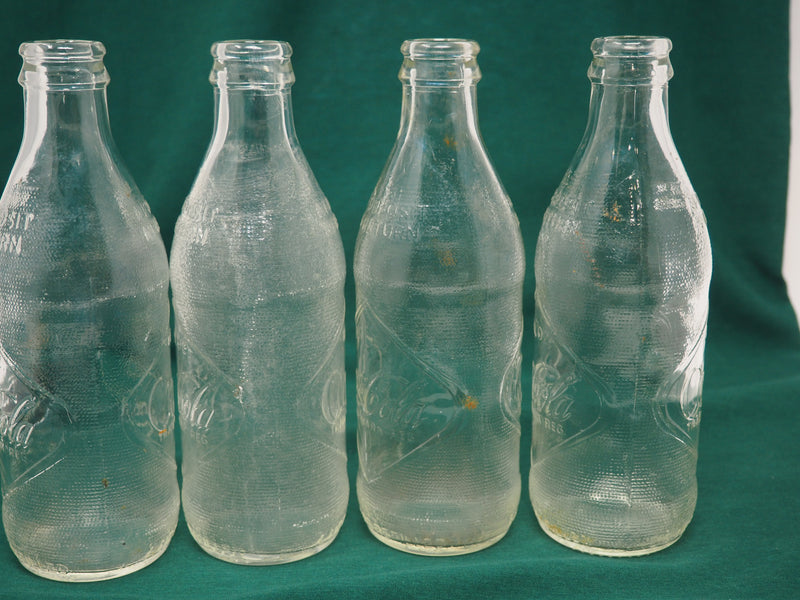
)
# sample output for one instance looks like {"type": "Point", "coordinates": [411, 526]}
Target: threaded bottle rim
{"type": "Point", "coordinates": [63, 64]}
{"type": "Point", "coordinates": [448, 62]}
{"type": "Point", "coordinates": [440, 49]}
{"type": "Point", "coordinates": [632, 46]}
{"type": "Point", "coordinates": [631, 60]}
{"type": "Point", "coordinates": [252, 64]}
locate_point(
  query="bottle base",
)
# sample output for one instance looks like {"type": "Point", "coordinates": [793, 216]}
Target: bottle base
{"type": "Point", "coordinates": [556, 533]}
{"type": "Point", "coordinates": [431, 549]}
{"type": "Point", "coordinates": [63, 574]}
{"type": "Point", "coordinates": [256, 559]}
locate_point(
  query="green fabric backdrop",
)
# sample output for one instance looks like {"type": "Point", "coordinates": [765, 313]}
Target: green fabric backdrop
{"type": "Point", "coordinates": [729, 107]}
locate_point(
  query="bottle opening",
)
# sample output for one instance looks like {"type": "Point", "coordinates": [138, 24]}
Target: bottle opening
{"type": "Point", "coordinates": [63, 64]}
{"type": "Point", "coordinates": [440, 61]}
{"type": "Point", "coordinates": [252, 64]}
{"type": "Point", "coordinates": [632, 46]}
{"type": "Point", "coordinates": [59, 51]}
{"type": "Point", "coordinates": [631, 60]}
{"type": "Point", "coordinates": [251, 50]}
{"type": "Point", "coordinates": [440, 49]}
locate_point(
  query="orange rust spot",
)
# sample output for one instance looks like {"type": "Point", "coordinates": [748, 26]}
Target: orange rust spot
{"type": "Point", "coordinates": [447, 259]}
{"type": "Point", "coordinates": [556, 529]}
{"type": "Point", "coordinates": [590, 259]}
{"type": "Point", "coordinates": [613, 213]}
{"type": "Point", "coordinates": [469, 402]}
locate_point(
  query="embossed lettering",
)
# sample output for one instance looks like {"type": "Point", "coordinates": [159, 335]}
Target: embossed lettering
{"type": "Point", "coordinates": [395, 386]}
{"type": "Point", "coordinates": [33, 426]}
{"type": "Point", "coordinates": [10, 243]}
{"type": "Point", "coordinates": [567, 396]}
{"type": "Point", "coordinates": [17, 220]}
{"type": "Point", "coordinates": [149, 409]}
{"type": "Point", "coordinates": [210, 403]}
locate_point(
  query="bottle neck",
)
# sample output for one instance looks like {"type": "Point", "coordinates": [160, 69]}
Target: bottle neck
{"type": "Point", "coordinates": [253, 118]}
{"type": "Point", "coordinates": [628, 107]}
{"type": "Point", "coordinates": [64, 85]}
{"type": "Point", "coordinates": [439, 102]}
{"type": "Point", "coordinates": [628, 115]}
{"type": "Point", "coordinates": [252, 82]}
{"type": "Point", "coordinates": [67, 121]}
{"type": "Point", "coordinates": [445, 116]}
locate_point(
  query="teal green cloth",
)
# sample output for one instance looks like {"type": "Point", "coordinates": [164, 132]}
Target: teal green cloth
{"type": "Point", "coordinates": [729, 110]}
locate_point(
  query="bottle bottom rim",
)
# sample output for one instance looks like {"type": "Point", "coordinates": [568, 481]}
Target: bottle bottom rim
{"type": "Point", "coordinates": [261, 559]}
{"type": "Point", "coordinates": [434, 550]}
{"type": "Point", "coordinates": [551, 531]}
{"type": "Point", "coordinates": [65, 575]}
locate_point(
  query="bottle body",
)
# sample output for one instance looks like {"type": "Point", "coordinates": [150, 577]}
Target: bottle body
{"type": "Point", "coordinates": [623, 266]}
{"type": "Point", "coordinates": [258, 290]}
{"type": "Point", "coordinates": [438, 269]}
{"type": "Point", "coordinates": [89, 476]}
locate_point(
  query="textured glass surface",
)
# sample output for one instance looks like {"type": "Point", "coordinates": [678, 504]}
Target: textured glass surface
{"type": "Point", "coordinates": [258, 291]}
{"type": "Point", "coordinates": [86, 407]}
{"type": "Point", "coordinates": [623, 266]}
{"type": "Point", "coordinates": [439, 265]}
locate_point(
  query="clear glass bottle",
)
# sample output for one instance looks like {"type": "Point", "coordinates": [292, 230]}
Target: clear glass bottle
{"type": "Point", "coordinates": [439, 266]}
{"type": "Point", "coordinates": [88, 467]}
{"type": "Point", "coordinates": [258, 274]}
{"type": "Point", "coordinates": [623, 266]}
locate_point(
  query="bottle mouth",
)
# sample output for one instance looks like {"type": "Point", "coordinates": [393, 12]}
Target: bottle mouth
{"type": "Point", "coordinates": [446, 62]}
{"type": "Point", "coordinates": [632, 46]}
{"type": "Point", "coordinates": [631, 60]}
{"type": "Point", "coordinates": [251, 50]}
{"type": "Point", "coordinates": [440, 49]}
{"type": "Point", "coordinates": [252, 64]}
{"type": "Point", "coordinates": [62, 51]}
{"type": "Point", "coordinates": [63, 64]}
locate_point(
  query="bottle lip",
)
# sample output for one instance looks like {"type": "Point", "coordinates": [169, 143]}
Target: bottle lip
{"type": "Point", "coordinates": [440, 49]}
{"type": "Point", "coordinates": [440, 62]}
{"type": "Point", "coordinates": [632, 46]}
{"type": "Point", "coordinates": [252, 65]}
{"type": "Point", "coordinates": [63, 65]}
{"type": "Point", "coordinates": [631, 60]}
{"type": "Point", "coordinates": [62, 51]}
{"type": "Point", "coordinates": [251, 50]}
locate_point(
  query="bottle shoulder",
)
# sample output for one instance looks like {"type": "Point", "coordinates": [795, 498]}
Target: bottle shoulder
{"type": "Point", "coordinates": [238, 184]}
{"type": "Point", "coordinates": [652, 246]}
{"type": "Point", "coordinates": [439, 214]}
{"type": "Point", "coordinates": [634, 205]}
{"type": "Point", "coordinates": [76, 186]}
{"type": "Point", "coordinates": [258, 226]}
{"type": "Point", "coordinates": [81, 240]}
{"type": "Point", "coordinates": [422, 244]}
{"type": "Point", "coordinates": [267, 254]}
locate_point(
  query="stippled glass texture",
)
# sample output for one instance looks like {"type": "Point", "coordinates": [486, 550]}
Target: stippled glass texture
{"type": "Point", "coordinates": [87, 452]}
{"type": "Point", "coordinates": [623, 265]}
{"type": "Point", "coordinates": [439, 266]}
{"type": "Point", "coordinates": [258, 290]}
